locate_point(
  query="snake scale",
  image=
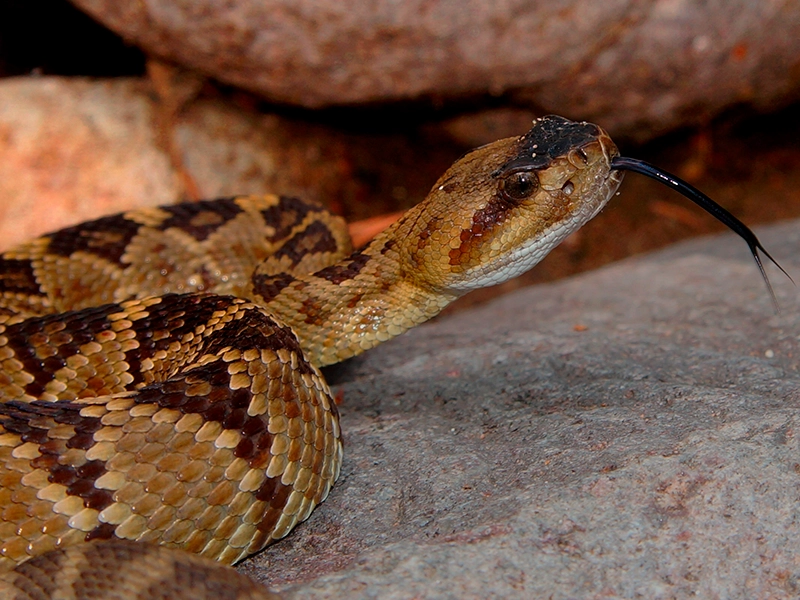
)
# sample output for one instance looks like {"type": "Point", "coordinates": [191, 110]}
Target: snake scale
{"type": "Point", "coordinates": [160, 368]}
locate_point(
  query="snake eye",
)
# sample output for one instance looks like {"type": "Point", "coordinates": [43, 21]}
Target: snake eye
{"type": "Point", "coordinates": [518, 186]}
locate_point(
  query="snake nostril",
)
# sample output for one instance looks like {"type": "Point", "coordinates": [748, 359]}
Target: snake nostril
{"type": "Point", "coordinates": [568, 188]}
{"type": "Point", "coordinates": [579, 158]}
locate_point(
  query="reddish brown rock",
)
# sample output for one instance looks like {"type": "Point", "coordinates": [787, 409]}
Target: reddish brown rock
{"type": "Point", "coordinates": [639, 68]}
{"type": "Point", "coordinates": [76, 149]}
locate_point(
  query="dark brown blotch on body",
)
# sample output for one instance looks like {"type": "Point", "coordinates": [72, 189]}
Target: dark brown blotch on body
{"type": "Point", "coordinates": [104, 531]}
{"type": "Point", "coordinates": [33, 421]}
{"type": "Point", "coordinates": [313, 311]}
{"type": "Point", "coordinates": [170, 321]}
{"type": "Point", "coordinates": [347, 269]}
{"type": "Point", "coordinates": [388, 246]}
{"type": "Point", "coordinates": [107, 238]}
{"type": "Point", "coordinates": [256, 329]}
{"type": "Point", "coordinates": [286, 214]}
{"type": "Point", "coordinates": [42, 344]}
{"type": "Point", "coordinates": [200, 219]}
{"type": "Point", "coordinates": [269, 286]}
{"type": "Point", "coordinates": [314, 239]}
{"type": "Point", "coordinates": [277, 494]}
{"type": "Point", "coordinates": [18, 277]}
{"type": "Point", "coordinates": [225, 406]}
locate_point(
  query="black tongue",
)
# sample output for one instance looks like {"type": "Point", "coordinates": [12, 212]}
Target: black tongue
{"type": "Point", "coordinates": [622, 163]}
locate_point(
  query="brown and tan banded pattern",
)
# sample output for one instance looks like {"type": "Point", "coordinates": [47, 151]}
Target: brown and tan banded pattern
{"type": "Point", "coordinates": [226, 439]}
{"type": "Point", "coordinates": [178, 400]}
{"type": "Point", "coordinates": [140, 572]}
{"type": "Point", "coordinates": [209, 246]}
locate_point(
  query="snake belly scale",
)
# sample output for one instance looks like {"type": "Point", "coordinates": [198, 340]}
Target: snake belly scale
{"type": "Point", "coordinates": [160, 368]}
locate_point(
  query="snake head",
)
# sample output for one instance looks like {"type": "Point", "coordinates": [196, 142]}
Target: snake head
{"type": "Point", "coordinates": [503, 207]}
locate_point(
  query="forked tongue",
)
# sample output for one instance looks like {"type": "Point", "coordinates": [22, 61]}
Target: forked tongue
{"type": "Point", "coordinates": [622, 163]}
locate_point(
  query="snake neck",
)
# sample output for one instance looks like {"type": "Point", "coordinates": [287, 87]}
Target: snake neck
{"type": "Point", "coordinates": [342, 310]}
{"type": "Point", "coordinates": [493, 215]}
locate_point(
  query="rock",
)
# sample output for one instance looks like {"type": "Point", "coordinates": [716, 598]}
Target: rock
{"type": "Point", "coordinates": [74, 149]}
{"type": "Point", "coordinates": [638, 68]}
{"type": "Point", "coordinates": [631, 432]}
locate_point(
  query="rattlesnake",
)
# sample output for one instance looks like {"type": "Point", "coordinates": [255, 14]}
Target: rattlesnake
{"type": "Point", "coordinates": [160, 368]}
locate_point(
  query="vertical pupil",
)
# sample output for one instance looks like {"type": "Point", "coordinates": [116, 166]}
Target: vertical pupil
{"type": "Point", "coordinates": [520, 185]}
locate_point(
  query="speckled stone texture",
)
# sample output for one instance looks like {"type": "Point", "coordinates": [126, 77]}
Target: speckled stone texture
{"type": "Point", "coordinates": [639, 67]}
{"type": "Point", "coordinates": [629, 433]}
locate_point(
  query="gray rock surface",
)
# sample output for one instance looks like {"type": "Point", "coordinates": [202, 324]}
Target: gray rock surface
{"type": "Point", "coordinates": [628, 433]}
{"type": "Point", "coordinates": [639, 67]}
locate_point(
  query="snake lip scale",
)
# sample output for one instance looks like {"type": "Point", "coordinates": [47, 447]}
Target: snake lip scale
{"type": "Point", "coordinates": [159, 369]}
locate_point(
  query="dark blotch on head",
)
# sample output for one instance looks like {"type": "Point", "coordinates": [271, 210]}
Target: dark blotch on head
{"type": "Point", "coordinates": [550, 138]}
{"type": "Point", "coordinates": [483, 221]}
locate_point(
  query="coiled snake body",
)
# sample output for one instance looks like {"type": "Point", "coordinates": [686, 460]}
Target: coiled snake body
{"type": "Point", "coordinates": [160, 368]}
